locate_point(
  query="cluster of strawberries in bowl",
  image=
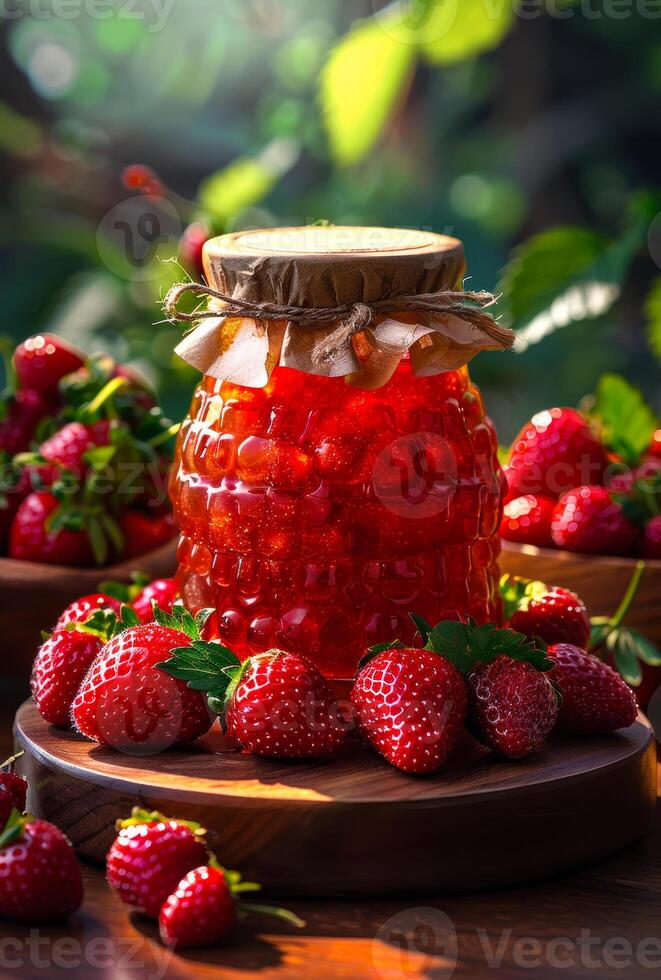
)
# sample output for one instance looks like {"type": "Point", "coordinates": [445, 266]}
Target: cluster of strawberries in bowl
{"type": "Point", "coordinates": [83, 459]}
{"type": "Point", "coordinates": [136, 671]}
{"type": "Point", "coordinates": [584, 483]}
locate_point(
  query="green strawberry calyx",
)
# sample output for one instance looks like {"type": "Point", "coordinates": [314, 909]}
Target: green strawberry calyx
{"type": "Point", "coordinates": [466, 645]}
{"type": "Point", "coordinates": [13, 829]}
{"type": "Point", "coordinates": [517, 593]}
{"type": "Point", "coordinates": [238, 887]}
{"type": "Point", "coordinates": [125, 592]}
{"type": "Point", "coordinates": [142, 816]}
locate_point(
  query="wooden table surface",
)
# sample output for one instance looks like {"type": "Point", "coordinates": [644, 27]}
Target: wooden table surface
{"type": "Point", "coordinates": [601, 921]}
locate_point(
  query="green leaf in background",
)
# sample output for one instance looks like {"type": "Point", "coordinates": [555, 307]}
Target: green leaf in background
{"type": "Point", "coordinates": [246, 181]}
{"type": "Point", "coordinates": [625, 654]}
{"type": "Point", "coordinates": [628, 421]}
{"type": "Point", "coordinates": [359, 86]}
{"type": "Point", "coordinates": [569, 274]}
{"type": "Point", "coordinates": [454, 31]}
{"type": "Point", "coordinates": [653, 314]}
{"type": "Point", "coordinates": [556, 278]}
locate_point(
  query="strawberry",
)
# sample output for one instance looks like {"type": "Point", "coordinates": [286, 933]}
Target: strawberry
{"type": "Point", "coordinates": [163, 591]}
{"type": "Point", "coordinates": [14, 488]}
{"type": "Point", "coordinates": [143, 533]}
{"type": "Point", "coordinates": [410, 704]}
{"type": "Point", "coordinates": [528, 520]}
{"type": "Point", "coordinates": [126, 702]}
{"type": "Point", "coordinates": [19, 416]}
{"type": "Point", "coordinates": [554, 452]}
{"type": "Point", "coordinates": [205, 906]}
{"type": "Point", "coordinates": [81, 609]}
{"type": "Point", "coordinates": [595, 699]}
{"type": "Point", "coordinates": [551, 613]}
{"type": "Point", "coordinates": [654, 448]}
{"type": "Point", "coordinates": [31, 537]}
{"type": "Point", "coordinates": [39, 874]}
{"type": "Point", "coordinates": [190, 247]}
{"type": "Point", "coordinates": [42, 361]}
{"type": "Point", "coordinates": [587, 519]}
{"type": "Point", "coordinates": [274, 704]}
{"type": "Point", "coordinates": [13, 790]}
{"type": "Point", "coordinates": [512, 707]}
{"type": "Point", "coordinates": [66, 449]}
{"type": "Point", "coordinates": [58, 671]}
{"type": "Point", "coordinates": [150, 856]}
{"type": "Point", "coordinates": [651, 543]}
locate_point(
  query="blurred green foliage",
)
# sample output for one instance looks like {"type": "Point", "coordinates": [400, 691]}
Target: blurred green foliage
{"type": "Point", "coordinates": [513, 126]}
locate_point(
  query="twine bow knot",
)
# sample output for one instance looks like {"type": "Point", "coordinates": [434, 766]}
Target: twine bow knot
{"type": "Point", "coordinates": [353, 317]}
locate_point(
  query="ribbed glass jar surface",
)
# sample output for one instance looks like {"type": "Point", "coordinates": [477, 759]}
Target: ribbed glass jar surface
{"type": "Point", "coordinates": [316, 516]}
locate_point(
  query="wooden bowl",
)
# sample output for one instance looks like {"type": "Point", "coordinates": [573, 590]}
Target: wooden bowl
{"type": "Point", "coordinates": [32, 596]}
{"type": "Point", "coordinates": [599, 581]}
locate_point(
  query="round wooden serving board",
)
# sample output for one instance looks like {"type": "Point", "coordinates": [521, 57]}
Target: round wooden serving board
{"type": "Point", "coordinates": [353, 825]}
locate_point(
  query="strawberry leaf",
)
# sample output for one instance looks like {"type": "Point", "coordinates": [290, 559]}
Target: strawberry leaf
{"type": "Point", "coordinates": [627, 421]}
{"type": "Point", "coordinates": [466, 644]}
{"type": "Point", "coordinates": [204, 666]}
{"type": "Point", "coordinates": [180, 619]}
{"type": "Point", "coordinates": [102, 623]}
{"type": "Point", "coordinates": [373, 651]}
{"type": "Point", "coordinates": [646, 651]}
{"type": "Point", "coordinates": [124, 591]}
{"type": "Point", "coordinates": [424, 628]}
{"type": "Point", "coordinates": [600, 628]}
{"type": "Point", "coordinates": [625, 655]}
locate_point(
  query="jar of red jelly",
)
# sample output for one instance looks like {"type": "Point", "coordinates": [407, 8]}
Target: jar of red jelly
{"type": "Point", "coordinates": [329, 481]}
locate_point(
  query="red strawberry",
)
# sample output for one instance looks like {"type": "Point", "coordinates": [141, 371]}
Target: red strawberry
{"type": "Point", "coordinates": [513, 706]}
{"type": "Point", "coordinates": [126, 702]}
{"type": "Point", "coordinates": [39, 874]}
{"type": "Point", "coordinates": [528, 520]}
{"type": "Point", "coordinates": [203, 909]}
{"type": "Point", "coordinates": [274, 704]}
{"type": "Point", "coordinates": [31, 540]}
{"type": "Point", "coordinates": [15, 786]}
{"type": "Point", "coordinates": [190, 247]}
{"type": "Point", "coordinates": [13, 791]}
{"type": "Point", "coordinates": [588, 520]}
{"type": "Point", "coordinates": [654, 448]}
{"type": "Point", "coordinates": [143, 533]}
{"type": "Point", "coordinates": [410, 704]}
{"type": "Point", "coordinates": [81, 609]}
{"type": "Point", "coordinates": [58, 671]}
{"type": "Point", "coordinates": [165, 591]}
{"type": "Point", "coordinates": [14, 488]}
{"type": "Point", "coordinates": [201, 912]}
{"type": "Point", "coordinates": [66, 448]}
{"type": "Point", "coordinates": [554, 452]}
{"type": "Point", "coordinates": [19, 416]}
{"type": "Point", "coordinates": [651, 544]}
{"type": "Point", "coordinates": [595, 699]}
{"type": "Point", "coordinates": [552, 613]}
{"type": "Point", "coordinates": [42, 361]}
{"type": "Point", "coordinates": [150, 856]}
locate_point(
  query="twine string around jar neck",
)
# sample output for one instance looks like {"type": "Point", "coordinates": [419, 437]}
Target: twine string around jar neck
{"type": "Point", "coordinates": [353, 317]}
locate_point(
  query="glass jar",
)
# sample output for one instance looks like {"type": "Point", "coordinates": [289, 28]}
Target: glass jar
{"type": "Point", "coordinates": [317, 514]}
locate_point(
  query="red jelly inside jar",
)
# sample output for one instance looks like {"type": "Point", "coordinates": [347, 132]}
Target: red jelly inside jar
{"type": "Point", "coordinates": [316, 516]}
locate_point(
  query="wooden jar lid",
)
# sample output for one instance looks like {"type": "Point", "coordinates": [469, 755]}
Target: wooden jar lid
{"type": "Point", "coordinates": [324, 266]}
